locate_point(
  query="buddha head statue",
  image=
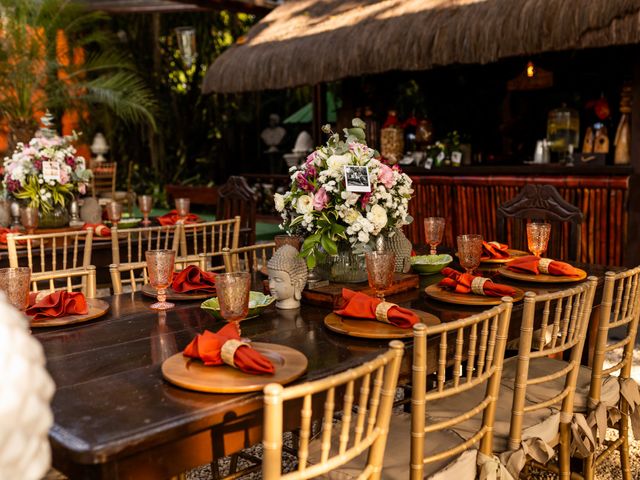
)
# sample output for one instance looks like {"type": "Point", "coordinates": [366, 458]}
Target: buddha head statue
{"type": "Point", "coordinates": [287, 277]}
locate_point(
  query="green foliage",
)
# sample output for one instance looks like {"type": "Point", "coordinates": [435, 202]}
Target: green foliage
{"type": "Point", "coordinates": [59, 193]}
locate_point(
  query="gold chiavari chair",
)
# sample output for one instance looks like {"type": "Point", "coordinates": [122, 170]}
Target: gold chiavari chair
{"type": "Point", "coordinates": [56, 260]}
{"type": "Point", "coordinates": [368, 401]}
{"type": "Point", "coordinates": [135, 242]}
{"type": "Point", "coordinates": [104, 179]}
{"type": "Point", "coordinates": [208, 239]}
{"type": "Point", "coordinates": [252, 259]}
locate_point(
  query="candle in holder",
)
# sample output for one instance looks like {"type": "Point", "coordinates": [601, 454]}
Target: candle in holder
{"type": "Point", "coordinates": [145, 203]}
{"type": "Point", "coordinates": [14, 282]}
{"type": "Point", "coordinates": [30, 217]}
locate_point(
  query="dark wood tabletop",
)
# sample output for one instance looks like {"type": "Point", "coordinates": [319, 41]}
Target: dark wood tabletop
{"type": "Point", "coordinates": [116, 418]}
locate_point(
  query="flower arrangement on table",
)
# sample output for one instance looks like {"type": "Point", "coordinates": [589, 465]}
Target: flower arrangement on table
{"type": "Point", "coordinates": [46, 172]}
{"type": "Point", "coordinates": [319, 206]}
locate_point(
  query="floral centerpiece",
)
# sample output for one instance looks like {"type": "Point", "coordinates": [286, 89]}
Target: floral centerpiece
{"type": "Point", "coordinates": [46, 173]}
{"type": "Point", "coordinates": [321, 207]}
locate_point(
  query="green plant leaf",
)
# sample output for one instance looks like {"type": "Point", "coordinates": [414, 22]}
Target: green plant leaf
{"type": "Point", "coordinates": [329, 245]}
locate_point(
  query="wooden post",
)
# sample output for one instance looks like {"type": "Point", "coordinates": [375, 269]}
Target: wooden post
{"type": "Point", "coordinates": [319, 101]}
{"type": "Point", "coordinates": [631, 250]}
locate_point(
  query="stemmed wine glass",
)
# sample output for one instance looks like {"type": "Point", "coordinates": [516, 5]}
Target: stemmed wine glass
{"type": "Point", "coordinates": [538, 237]}
{"type": "Point", "coordinates": [380, 270]}
{"type": "Point", "coordinates": [469, 251]}
{"type": "Point", "coordinates": [14, 282]}
{"type": "Point", "coordinates": [145, 203]}
{"type": "Point", "coordinates": [433, 232]}
{"type": "Point", "coordinates": [182, 208]}
{"type": "Point", "coordinates": [29, 216]}
{"type": "Point", "coordinates": [233, 295]}
{"type": "Point", "coordinates": [160, 265]}
{"type": "Point", "coordinates": [114, 213]}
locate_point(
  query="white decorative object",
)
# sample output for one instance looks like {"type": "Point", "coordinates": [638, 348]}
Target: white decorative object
{"type": "Point", "coordinates": [272, 135]}
{"type": "Point", "coordinates": [99, 147]}
{"type": "Point", "coordinates": [25, 395]}
{"type": "Point", "coordinates": [287, 277]}
{"type": "Point", "coordinates": [304, 143]}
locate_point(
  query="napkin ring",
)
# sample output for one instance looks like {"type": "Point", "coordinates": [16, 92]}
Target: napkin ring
{"type": "Point", "coordinates": [543, 265]}
{"type": "Point", "coordinates": [496, 244]}
{"type": "Point", "coordinates": [228, 351]}
{"type": "Point", "coordinates": [381, 311]}
{"type": "Point", "coordinates": [477, 285]}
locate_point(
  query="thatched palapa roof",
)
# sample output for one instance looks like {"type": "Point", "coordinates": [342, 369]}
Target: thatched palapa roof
{"type": "Point", "coordinates": [306, 42]}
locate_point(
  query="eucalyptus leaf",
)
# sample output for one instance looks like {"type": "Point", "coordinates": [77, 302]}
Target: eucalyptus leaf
{"type": "Point", "coordinates": [358, 123]}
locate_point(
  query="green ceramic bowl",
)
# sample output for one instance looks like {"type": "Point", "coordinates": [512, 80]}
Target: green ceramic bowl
{"type": "Point", "coordinates": [257, 303]}
{"type": "Point", "coordinates": [430, 264]}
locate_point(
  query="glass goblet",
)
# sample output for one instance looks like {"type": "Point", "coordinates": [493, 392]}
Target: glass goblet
{"type": "Point", "coordinates": [14, 282]}
{"type": "Point", "coordinates": [233, 295]}
{"type": "Point", "coordinates": [538, 237]}
{"type": "Point", "coordinates": [469, 251]}
{"type": "Point", "coordinates": [433, 232]}
{"type": "Point", "coordinates": [380, 271]}
{"type": "Point", "coordinates": [114, 213]}
{"type": "Point", "coordinates": [30, 217]}
{"type": "Point", "coordinates": [182, 207]}
{"type": "Point", "coordinates": [293, 240]}
{"type": "Point", "coordinates": [160, 264]}
{"type": "Point", "coordinates": [145, 203]}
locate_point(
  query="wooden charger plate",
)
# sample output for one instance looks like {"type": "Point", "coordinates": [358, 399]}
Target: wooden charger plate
{"type": "Point", "coordinates": [356, 327]}
{"type": "Point", "coordinates": [512, 254]}
{"type": "Point", "coordinates": [541, 277]}
{"type": "Point", "coordinates": [97, 308]}
{"type": "Point", "coordinates": [149, 291]}
{"type": "Point", "coordinates": [192, 374]}
{"type": "Point", "coordinates": [443, 295]}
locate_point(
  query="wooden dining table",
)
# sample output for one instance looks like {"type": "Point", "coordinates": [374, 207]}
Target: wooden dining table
{"type": "Point", "coordinates": [116, 418]}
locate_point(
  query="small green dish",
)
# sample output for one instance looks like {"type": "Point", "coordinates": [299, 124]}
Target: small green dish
{"type": "Point", "coordinates": [430, 264]}
{"type": "Point", "coordinates": [126, 222]}
{"type": "Point", "coordinates": [257, 303]}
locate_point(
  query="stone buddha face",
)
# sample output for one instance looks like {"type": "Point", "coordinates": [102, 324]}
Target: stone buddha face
{"type": "Point", "coordinates": [287, 277]}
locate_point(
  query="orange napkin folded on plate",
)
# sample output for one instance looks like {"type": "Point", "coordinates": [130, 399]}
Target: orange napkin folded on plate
{"type": "Point", "coordinates": [361, 305]}
{"type": "Point", "coordinates": [531, 264]}
{"type": "Point", "coordinates": [57, 304]}
{"type": "Point", "coordinates": [193, 279]}
{"type": "Point", "coordinates": [494, 250]}
{"type": "Point", "coordinates": [209, 347]}
{"type": "Point", "coordinates": [463, 283]}
{"type": "Point", "coordinates": [172, 217]}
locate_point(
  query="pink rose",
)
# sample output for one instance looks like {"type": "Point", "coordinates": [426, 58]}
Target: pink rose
{"type": "Point", "coordinates": [311, 157]}
{"type": "Point", "coordinates": [64, 177]}
{"type": "Point", "coordinates": [320, 199]}
{"type": "Point", "coordinates": [82, 188]}
{"type": "Point", "coordinates": [386, 176]}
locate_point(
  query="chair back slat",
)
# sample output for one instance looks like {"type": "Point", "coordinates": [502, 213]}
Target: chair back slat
{"type": "Point", "coordinates": [209, 239]}
{"type": "Point", "coordinates": [248, 259]}
{"type": "Point", "coordinates": [341, 446]}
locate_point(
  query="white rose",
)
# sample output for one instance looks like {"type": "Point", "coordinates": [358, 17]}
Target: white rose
{"type": "Point", "coordinates": [279, 202]}
{"type": "Point", "coordinates": [351, 216]}
{"type": "Point", "coordinates": [336, 162]}
{"type": "Point", "coordinates": [378, 216]}
{"type": "Point", "coordinates": [305, 204]}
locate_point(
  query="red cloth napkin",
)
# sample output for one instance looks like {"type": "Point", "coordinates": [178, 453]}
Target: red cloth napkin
{"type": "Point", "coordinates": [57, 304]}
{"type": "Point", "coordinates": [360, 305]}
{"type": "Point", "coordinates": [208, 345]}
{"type": "Point", "coordinates": [530, 263]}
{"type": "Point", "coordinates": [99, 229]}
{"type": "Point", "coordinates": [4, 232]}
{"type": "Point", "coordinates": [172, 217]}
{"type": "Point", "coordinates": [192, 279]}
{"type": "Point", "coordinates": [494, 250]}
{"type": "Point", "coordinates": [461, 283]}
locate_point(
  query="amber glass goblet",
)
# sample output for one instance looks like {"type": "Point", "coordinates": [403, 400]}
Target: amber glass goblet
{"type": "Point", "coordinates": [380, 270]}
{"type": "Point", "coordinates": [469, 251]}
{"type": "Point", "coordinates": [233, 295]}
{"type": "Point", "coordinates": [29, 217]}
{"type": "Point", "coordinates": [538, 237]}
{"type": "Point", "coordinates": [145, 204]}
{"type": "Point", "coordinates": [14, 282]}
{"type": "Point", "coordinates": [114, 213]}
{"type": "Point", "coordinates": [182, 208]}
{"type": "Point", "coordinates": [433, 232]}
{"type": "Point", "coordinates": [160, 265]}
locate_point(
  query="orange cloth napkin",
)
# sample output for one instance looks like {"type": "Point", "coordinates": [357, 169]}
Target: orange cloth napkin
{"type": "Point", "coordinates": [494, 250]}
{"type": "Point", "coordinates": [531, 264]}
{"type": "Point", "coordinates": [193, 279]}
{"type": "Point", "coordinates": [208, 348]}
{"type": "Point", "coordinates": [57, 304]}
{"type": "Point", "coordinates": [462, 283]}
{"type": "Point", "coordinates": [172, 217]}
{"type": "Point", "coordinates": [99, 229]}
{"type": "Point", "coordinates": [360, 305]}
{"type": "Point", "coordinates": [5, 231]}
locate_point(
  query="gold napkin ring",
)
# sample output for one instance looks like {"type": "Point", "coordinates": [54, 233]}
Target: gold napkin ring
{"type": "Point", "coordinates": [477, 285]}
{"type": "Point", "coordinates": [496, 244]}
{"type": "Point", "coordinates": [543, 265]}
{"type": "Point", "coordinates": [381, 311]}
{"type": "Point", "coordinates": [228, 351]}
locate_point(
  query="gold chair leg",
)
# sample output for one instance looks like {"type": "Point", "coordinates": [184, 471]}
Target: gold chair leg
{"type": "Point", "coordinates": [564, 451]}
{"type": "Point", "coordinates": [625, 462]}
{"type": "Point", "coordinates": [588, 467]}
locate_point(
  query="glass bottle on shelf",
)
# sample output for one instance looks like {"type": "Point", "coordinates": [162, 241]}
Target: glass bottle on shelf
{"type": "Point", "coordinates": [563, 131]}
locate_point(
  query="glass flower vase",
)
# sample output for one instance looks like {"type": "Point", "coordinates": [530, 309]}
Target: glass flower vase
{"type": "Point", "coordinates": [57, 217]}
{"type": "Point", "coordinates": [345, 267]}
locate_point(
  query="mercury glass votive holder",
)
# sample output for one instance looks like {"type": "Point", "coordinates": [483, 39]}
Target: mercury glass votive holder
{"type": "Point", "coordinates": [14, 282]}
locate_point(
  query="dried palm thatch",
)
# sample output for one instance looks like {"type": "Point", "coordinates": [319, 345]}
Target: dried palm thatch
{"type": "Point", "coordinates": [306, 41]}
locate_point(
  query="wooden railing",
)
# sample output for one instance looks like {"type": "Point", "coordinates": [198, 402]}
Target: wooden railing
{"type": "Point", "coordinates": [469, 204]}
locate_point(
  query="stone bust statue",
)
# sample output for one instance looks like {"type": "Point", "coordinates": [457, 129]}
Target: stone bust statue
{"type": "Point", "coordinates": [272, 135]}
{"type": "Point", "coordinates": [287, 277]}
